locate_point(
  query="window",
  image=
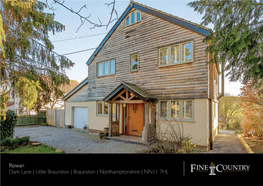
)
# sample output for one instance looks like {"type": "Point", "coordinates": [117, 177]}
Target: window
{"type": "Point", "coordinates": [132, 18]}
{"type": "Point", "coordinates": [177, 109]}
{"type": "Point", "coordinates": [163, 56]}
{"type": "Point", "coordinates": [106, 68]}
{"type": "Point", "coordinates": [176, 54]}
{"type": "Point", "coordinates": [102, 108]}
{"type": "Point", "coordinates": [163, 108]}
{"type": "Point", "coordinates": [134, 62]}
{"type": "Point", "coordinates": [115, 109]}
{"type": "Point", "coordinates": [187, 109]}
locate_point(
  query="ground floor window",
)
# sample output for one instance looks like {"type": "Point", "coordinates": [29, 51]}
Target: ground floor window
{"type": "Point", "coordinates": [177, 109]}
{"type": "Point", "coordinates": [102, 108]}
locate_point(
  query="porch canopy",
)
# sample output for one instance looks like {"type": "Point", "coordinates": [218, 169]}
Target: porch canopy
{"type": "Point", "coordinates": [128, 93]}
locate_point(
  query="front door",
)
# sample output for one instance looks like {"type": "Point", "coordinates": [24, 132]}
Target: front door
{"type": "Point", "coordinates": [135, 118]}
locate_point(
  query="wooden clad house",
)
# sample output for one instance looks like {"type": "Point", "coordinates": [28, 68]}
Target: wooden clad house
{"type": "Point", "coordinates": [151, 66]}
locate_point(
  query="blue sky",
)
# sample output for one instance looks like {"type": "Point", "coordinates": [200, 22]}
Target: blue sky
{"type": "Point", "coordinates": [98, 9]}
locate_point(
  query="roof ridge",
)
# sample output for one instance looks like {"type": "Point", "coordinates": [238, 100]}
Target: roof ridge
{"type": "Point", "coordinates": [170, 15]}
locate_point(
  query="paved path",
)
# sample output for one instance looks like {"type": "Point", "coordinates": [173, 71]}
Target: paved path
{"type": "Point", "coordinates": [227, 143]}
{"type": "Point", "coordinates": [75, 141]}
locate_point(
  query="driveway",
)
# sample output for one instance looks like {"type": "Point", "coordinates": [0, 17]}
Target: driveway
{"type": "Point", "coordinates": [227, 143]}
{"type": "Point", "coordinates": [75, 141]}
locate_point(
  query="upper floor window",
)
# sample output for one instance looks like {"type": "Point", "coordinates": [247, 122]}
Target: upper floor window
{"type": "Point", "coordinates": [106, 68]}
{"type": "Point", "coordinates": [133, 17]}
{"type": "Point", "coordinates": [174, 54]}
{"type": "Point", "coordinates": [134, 62]}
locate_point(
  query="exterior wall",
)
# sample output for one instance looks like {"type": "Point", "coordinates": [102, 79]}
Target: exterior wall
{"type": "Point", "coordinates": [80, 95]}
{"type": "Point", "coordinates": [189, 80]}
{"type": "Point", "coordinates": [199, 129]}
{"type": "Point", "coordinates": [94, 121]}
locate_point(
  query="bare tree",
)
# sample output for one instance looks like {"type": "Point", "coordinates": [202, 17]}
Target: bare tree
{"type": "Point", "coordinates": [113, 15]}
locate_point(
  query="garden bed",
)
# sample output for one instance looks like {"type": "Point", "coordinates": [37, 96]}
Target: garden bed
{"type": "Point", "coordinates": [256, 145]}
{"type": "Point", "coordinates": [34, 149]}
{"type": "Point", "coordinates": [24, 145]}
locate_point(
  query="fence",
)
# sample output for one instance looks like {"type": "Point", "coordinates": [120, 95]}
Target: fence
{"type": "Point", "coordinates": [55, 117]}
{"type": "Point", "coordinates": [32, 119]}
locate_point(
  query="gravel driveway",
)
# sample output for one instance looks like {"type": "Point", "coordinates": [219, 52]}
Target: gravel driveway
{"type": "Point", "coordinates": [75, 141]}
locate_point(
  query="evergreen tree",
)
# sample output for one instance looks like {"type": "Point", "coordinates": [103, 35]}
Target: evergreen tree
{"type": "Point", "coordinates": [237, 36]}
{"type": "Point", "coordinates": [28, 65]}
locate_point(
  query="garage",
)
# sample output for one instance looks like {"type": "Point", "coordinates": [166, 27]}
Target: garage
{"type": "Point", "coordinates": [80, 117]}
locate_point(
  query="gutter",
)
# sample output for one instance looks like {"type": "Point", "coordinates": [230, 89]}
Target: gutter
{"type": "Point", "coordinates": [210, 107]}
{"type": "Point", "coordinates": [222, 82]}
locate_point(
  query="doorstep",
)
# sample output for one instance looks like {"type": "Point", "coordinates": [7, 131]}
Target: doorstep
{"type": "Point", "coordinates": [129, 139]}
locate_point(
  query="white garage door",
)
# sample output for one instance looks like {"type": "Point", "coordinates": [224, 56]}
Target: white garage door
{"type": "Point", "coordinates": [80, 117]}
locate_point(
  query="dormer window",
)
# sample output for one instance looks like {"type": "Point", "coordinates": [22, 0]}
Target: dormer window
{"type": "Point", "coordinates": [133, 17]}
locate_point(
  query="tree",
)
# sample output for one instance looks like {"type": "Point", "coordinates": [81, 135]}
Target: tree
{"type": "Point", "coordinates": [28, 65]}
{"type": "Point", "coordinates": [252, 110]}
{"type": "Point", "coordinates": [237, 36]}
{"type": "Point", "coordinates": [229, 111]}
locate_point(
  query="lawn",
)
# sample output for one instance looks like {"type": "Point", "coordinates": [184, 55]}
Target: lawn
{"type": "Point", "coordinates": [33, 149]}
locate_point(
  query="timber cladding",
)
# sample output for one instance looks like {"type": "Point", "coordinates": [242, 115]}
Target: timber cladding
{"type": "Point", "coordinates": [145, 38]}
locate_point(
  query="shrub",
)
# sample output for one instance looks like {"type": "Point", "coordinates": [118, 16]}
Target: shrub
{"type": "Point", "coordinates": [9, 142]}
{"type": "Point", "coordinates": [7, 126]}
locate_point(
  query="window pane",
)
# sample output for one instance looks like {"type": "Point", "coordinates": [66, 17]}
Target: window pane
{"type": "Point", "coordinates": [106, 68]}
{"type": "Point", "coordinates": [174, 54]}
{"type": "Point", "coordinates": [138, 16]}
{"type": "Point", "coordinates": [127, 21]}
{"type": "Point", "coordinates": [175, 109]}
{"type": "Point", "coordinates": [100, 69]}
{"type": "Point", "coordinates": [164, 109]}
{"type": "Point", "coordinates": [187, 52]}
{"type": "Point", "coordinates": [163, 56]}
{"type": "Point", "coordinates": [106, 108]}
{"type": "Point", "coordinates": [114, 112]}
{"type": "Point", "coordinates": [99, 107]}
{"type": "Point", "coordinates": [132, 18]}
{"type": "Point", "coordinates": [187, 109]}
{"type": "Point", "coordinates": [134, 61]}
{"type": "Point", "coordinates": [112, 67]}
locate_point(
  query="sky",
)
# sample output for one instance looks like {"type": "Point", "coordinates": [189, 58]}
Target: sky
{"type": "Point", "coordinates": [68, 41]}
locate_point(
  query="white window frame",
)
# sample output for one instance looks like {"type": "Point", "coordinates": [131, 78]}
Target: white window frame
{"type": "Point", "coordinates": [137, 62]}
{"type": "Point", "coordinates": [109, 70]}
{"type": "Point", "coordinates": [180, 54]}
{"type": "Point", "coordinates": [130, 18]}
{"type": "Point", "coordinates": [102, 109]}
{"type": "Point", "coordinates": [169, 115]}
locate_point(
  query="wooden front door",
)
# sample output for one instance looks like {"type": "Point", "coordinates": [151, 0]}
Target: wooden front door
{"type": "Point", "coordinates": [135, 118]}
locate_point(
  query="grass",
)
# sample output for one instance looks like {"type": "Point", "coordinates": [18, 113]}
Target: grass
{"type": "Point", "coordinates": [33, 149]}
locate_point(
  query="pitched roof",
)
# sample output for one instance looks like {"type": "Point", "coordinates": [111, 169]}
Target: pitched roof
{"type": "Point", "coordinates": [131, 88]}
{"type": "Point", "coordinates": [163, 15]}
{"type": "Point", "coordinates": [73, 91]}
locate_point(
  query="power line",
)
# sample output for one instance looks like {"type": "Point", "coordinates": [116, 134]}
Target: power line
{"type": "Point", "coordinates": [78, 37]}
{"type": "Point", "coordinates": [80, 51]}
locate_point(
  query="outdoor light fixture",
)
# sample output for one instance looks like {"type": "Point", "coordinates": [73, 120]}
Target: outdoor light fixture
{"type": "Point", "coordinates": [131, 94]}
{"type": "Point", "coordinates": [124, 105]}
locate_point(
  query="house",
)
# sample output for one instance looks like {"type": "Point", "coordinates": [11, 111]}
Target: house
{"type": "Point", "coordinates": [150, 68]}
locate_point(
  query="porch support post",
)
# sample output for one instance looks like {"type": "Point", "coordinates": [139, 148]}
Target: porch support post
{"type": "Point", "coordinates": [110, 119]}
{"type": "Point", "coordinates": [146, 121]}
